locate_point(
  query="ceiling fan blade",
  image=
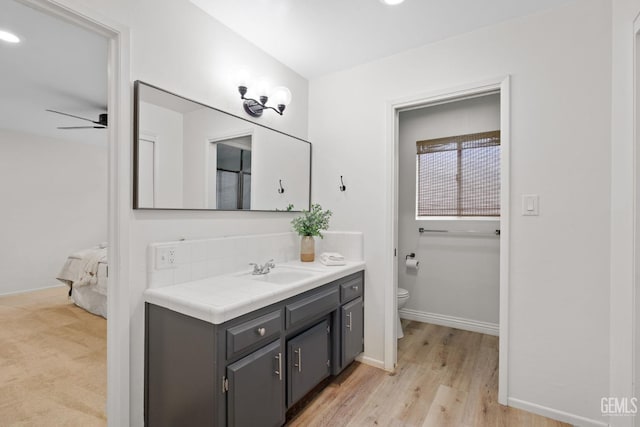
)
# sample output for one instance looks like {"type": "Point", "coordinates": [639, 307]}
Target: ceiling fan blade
{"type": "Point", "coordinates": [82, 127]}
{"type": "Point", "coordinates": [71, 115]}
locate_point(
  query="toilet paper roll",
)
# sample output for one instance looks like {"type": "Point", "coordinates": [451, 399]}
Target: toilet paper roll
{"type": "Point", "coordinates": [412, 264]}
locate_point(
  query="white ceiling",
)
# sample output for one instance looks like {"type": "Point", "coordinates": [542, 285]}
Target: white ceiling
{"type": "Point", "coordinates": [58, 66]}
{"type": "Point", "coordinates": [319, 37]}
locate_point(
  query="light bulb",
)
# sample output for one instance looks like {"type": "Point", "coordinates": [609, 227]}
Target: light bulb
{"type": "Point", "coordinates": [281, 96]}
{"type": "Point", "coordinates": [263, 87]}
{"type": "Point", "coordinates": [241, 77]}
{"type": "Point", "coordinates": [9, 37]}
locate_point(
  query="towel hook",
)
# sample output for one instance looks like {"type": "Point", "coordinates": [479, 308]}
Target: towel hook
{"type": "Point", "coordinates": [281, 189]}
{"type": "Point", "coordinates": [342, 186]}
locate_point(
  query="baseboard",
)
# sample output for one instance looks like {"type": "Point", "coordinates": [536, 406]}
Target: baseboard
{"type": "Point", "coordinates": [370, 361]}
{"type": "Point", "coordinates": [33, 290]}
{"type": "Point", "coordinates": [555, 414]}
{"type": "Point", "coordinates": [451, 321]}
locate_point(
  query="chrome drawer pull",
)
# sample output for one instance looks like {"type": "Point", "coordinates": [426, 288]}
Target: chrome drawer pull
{"type": "Point", "coordinates": [262, 331]}
{"type": "Point", "coordinates": [355, 288]}
{"type": "Point", "coordinates": [279, 371]}
{"type": "Point", "coordinates": [299, 364]}
{"type": "Point", "coordinates": [349, 317]}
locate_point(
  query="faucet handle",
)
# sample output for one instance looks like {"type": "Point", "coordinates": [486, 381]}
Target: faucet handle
{"type": "Point", "coordinates": [270, 263]}
{"type": "Point", "coordinates": [256, 267]}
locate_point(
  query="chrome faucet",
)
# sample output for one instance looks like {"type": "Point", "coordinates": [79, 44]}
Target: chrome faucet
{"type": "Point", "coordinates": [262, 269]}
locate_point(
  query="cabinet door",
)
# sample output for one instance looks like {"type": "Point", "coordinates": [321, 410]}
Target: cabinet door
{"type": "Point", "coordinates": [256, 389]}
{"type": "Point", "coordinates": [308, 360]}
{"type": "Point", "coordinates": [352, 330]}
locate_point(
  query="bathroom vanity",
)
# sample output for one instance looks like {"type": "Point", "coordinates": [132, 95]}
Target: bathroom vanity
{"type": "Point", "coordinates": [218, 354]}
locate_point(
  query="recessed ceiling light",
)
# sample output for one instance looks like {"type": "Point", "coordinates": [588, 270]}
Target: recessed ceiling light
{"type": "Point", "coordinates": [9, 37]}
{"type": "Point", "coordinates": [392, 2]}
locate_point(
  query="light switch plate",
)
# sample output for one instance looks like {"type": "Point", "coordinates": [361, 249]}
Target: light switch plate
{"type": "Point", "coordinates": [530, 205]}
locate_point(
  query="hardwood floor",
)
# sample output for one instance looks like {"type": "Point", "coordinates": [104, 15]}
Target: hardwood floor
{"type": "Point", "coordinates": [445, 377]}
{"type": "Point", "coordinates": [52, 362]}
{"type": "Point", "coordinates": [53, 373]}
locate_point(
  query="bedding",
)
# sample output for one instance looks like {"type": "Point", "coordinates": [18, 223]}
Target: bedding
{"type": "Point", "coordinates": [85, 272]}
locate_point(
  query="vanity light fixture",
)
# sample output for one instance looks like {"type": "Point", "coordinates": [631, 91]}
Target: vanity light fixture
{"type": "Point", "coordinates": [9, 37]}
{"type": "Point", "coordinates": [391, 2]}
{"type": "Point", "coordinates": [280, 95]}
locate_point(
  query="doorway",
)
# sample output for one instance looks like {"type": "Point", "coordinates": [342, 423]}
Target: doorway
{"type": "Point", "coordinates": [501, 87]}
{"type": "Point", "coordinates": [449, 213]}
{"type": "Point", "coordinates": [229, 173]}
{"type": "Point", "coordinates": [119, 203]}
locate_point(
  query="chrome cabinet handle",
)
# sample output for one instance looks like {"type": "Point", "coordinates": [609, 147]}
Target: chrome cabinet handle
{"type": "Point", "coordinates": [279, 371]}
{"type": "Point", "coordinates": [261, 331]}
{"type": "Point", "coordinates": [355, 288]}
{"type": "Point", "coordinates": [299, 364]}
{"type": "Point", "coordinates": [349, 317]}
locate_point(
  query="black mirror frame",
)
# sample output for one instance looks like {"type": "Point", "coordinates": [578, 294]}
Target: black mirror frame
{"type": "Point", "coordinates": [136, 133]}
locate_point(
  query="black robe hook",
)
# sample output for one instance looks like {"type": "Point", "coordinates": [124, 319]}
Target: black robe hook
{"type": "Point", "coordinates": [342, 186]}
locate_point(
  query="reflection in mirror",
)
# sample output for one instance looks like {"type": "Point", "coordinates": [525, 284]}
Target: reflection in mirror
{"type": "Point", "coordinates": [233, 174]}
{"type": "Point", "coordinates": [191, 156]}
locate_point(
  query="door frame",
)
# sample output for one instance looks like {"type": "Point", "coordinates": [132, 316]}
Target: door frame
{"type": "Point", "coordinates": [153, 139]}
{"type": "Point", "coordinates": [501, 84]}
{"type": "Point", "coordinates": [119, 99]}
{"type": "Point", "coordinates": [635, 289]}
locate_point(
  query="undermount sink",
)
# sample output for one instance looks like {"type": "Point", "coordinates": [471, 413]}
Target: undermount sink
{"type": "Point", "coordinates": [281, 276]}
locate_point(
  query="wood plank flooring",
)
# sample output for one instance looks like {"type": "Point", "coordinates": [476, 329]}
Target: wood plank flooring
{"type": "Point", "coordinates": [52, 362]}
{"type": "Point", "coordinates": [445, 377]}
{"type": "Point", "coordinates": [53, 373]}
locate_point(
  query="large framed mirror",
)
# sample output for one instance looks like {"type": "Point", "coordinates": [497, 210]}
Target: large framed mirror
{"type": "Point", "coordinates": [188, 155]}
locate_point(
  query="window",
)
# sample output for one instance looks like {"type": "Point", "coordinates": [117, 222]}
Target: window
{"type": "Point", "coordinates": [459, 176]}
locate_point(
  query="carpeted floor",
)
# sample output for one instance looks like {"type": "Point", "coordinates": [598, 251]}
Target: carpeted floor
{"type": "Point", "coordinates": [53, 361]}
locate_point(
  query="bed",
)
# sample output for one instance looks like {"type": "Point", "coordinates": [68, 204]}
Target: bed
{"type": "Point", "coordinates": [85, 272]}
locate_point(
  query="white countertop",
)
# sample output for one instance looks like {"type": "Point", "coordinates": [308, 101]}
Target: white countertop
{"type": "Point", "coordinates": [221, 298]}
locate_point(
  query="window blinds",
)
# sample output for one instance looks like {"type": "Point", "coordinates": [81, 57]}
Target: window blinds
{"type": "Point", "coordinates": [459, 175]}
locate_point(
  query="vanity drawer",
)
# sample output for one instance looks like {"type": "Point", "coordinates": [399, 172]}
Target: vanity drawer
{"type": "Point", "coordinates": [312, 306]}
{"type": "Point", "coordinates": [351, 289]}
{"type": "Point", "coordinates": [252, 332]}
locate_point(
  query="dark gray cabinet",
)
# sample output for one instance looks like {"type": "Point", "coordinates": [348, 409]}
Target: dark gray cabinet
{"type": "Point", "coordinates": [250, 370]}
{"type": "Point", "coordinates": [309, 360]}
{"type": "Point", "coordinates": [256, 389]}
{"type": "Point", "coordinates": [352, 332]}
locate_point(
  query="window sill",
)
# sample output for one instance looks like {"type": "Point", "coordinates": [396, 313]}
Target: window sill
{"type": "Point", "coordinates": [458, 218]}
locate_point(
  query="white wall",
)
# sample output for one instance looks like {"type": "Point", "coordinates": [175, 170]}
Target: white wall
{"type": "Point", "coordinates": [280, 158]}
{"type": "Point", "coordinates": [165, 127]}
{"type": "Point", "coordinates": [560, 61]}
{"type": "Point", "coordinates": [459, 275]}
{"type": "Point", "coordinates": [622, 209]}
{"type": "Point", "coordinates": [179, 48]}
{"type": "Point", "coordinates": [54, 202]}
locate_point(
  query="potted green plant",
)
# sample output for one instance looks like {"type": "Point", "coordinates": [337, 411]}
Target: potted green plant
{"type": "Point", "coordinates": [310, 224]}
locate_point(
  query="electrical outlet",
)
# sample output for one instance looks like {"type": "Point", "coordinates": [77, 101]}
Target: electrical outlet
{"type": "Point", "coordinates": [165, 257]}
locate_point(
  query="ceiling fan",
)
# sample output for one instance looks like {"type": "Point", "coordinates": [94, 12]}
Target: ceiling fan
{"type": "Point", "coordinates": [101, 123]}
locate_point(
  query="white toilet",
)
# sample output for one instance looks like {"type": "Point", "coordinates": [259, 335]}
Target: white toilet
{"type": "Point", "coordinates": [403, 297]}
